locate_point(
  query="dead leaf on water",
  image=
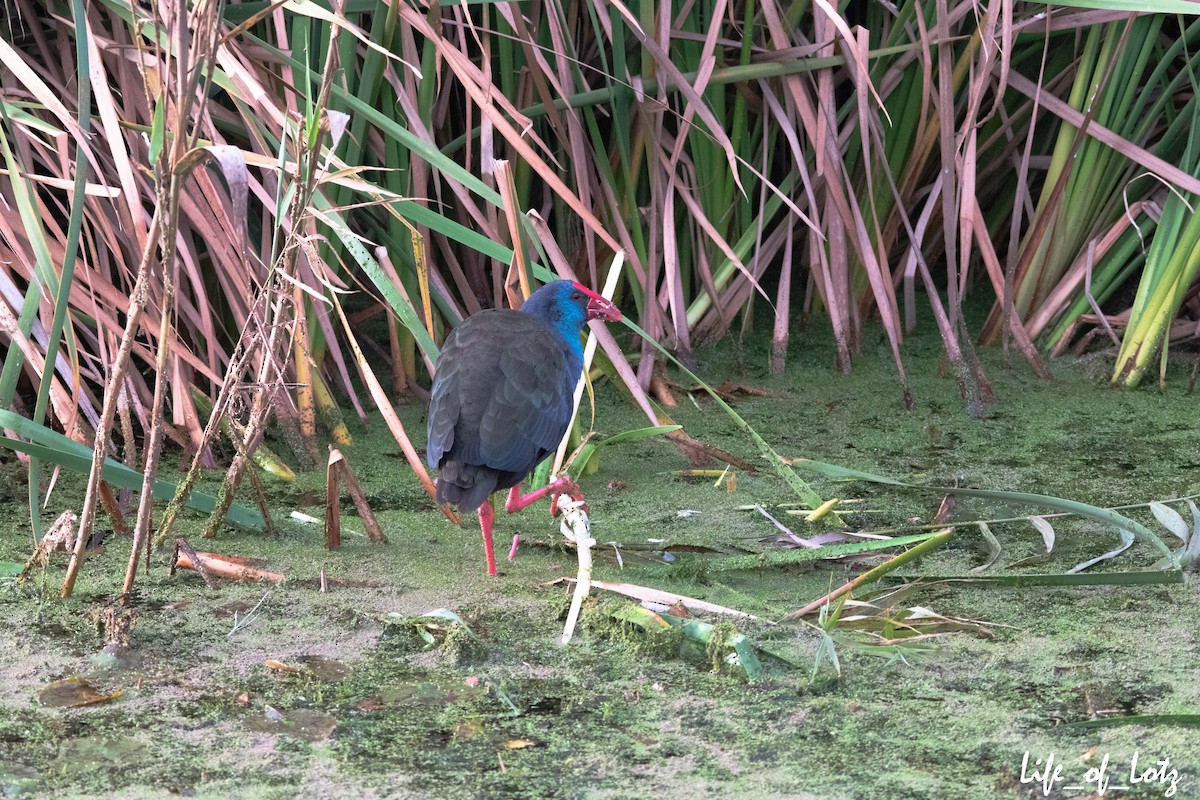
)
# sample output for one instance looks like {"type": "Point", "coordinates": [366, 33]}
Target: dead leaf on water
{"type": "Point", "coordinates": [73, 693]}
{"type": "Point", "coordinates": [520, 744]}
{"type": "Point", "coordinates": [946, 510]}
{"type": "Point", "coordinates": [319, 667]}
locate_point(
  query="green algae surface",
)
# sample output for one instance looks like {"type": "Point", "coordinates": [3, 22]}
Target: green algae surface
{"type": "Point", "coordinates": [288, 691]}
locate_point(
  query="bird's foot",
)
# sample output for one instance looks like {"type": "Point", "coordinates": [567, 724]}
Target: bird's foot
{"type": "Point", "coordinates": [565, 487]}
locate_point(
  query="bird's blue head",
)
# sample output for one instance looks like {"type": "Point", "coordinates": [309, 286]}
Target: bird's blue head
{"type": "Point", "coordinates": [568, 306]}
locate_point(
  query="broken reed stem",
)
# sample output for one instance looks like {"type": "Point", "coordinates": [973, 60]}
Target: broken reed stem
{"type": "Point", "coordinates": [333, 502]}
{"type": "Point", "coordinates": [213, 565]}
{"type": "Point", "coordinates": [337, 470]}
{"type": "Point", "coordinates": [589, 352]}
{"type": "Point", "coordinates": [153, 451]}
{"type": "Point", "coordinates": [137, 305]}
{"type": "Point", "coordinates": [370, 523]}
{"type": "Point", "coordinates": [186, 558]}
{"type": "Point", "coordinates": [260, 498]}
{"type": "Point", "coordinates": [113, 509]}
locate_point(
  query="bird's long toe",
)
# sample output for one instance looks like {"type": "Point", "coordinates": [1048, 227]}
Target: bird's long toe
{"type": "Point", "coordinates": [565, 487]}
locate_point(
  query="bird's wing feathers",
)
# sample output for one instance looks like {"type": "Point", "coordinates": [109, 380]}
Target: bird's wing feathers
{"type": "Point", "coordinates": [530, 407]}
{"type": "Point", "coordinates": [501, 394]}
{"type": "Point", "coordinates": [457, 368]}
{"type": "Point", "coordinates": [443, 415]}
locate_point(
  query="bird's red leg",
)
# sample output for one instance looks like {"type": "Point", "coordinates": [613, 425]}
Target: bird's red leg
{"type": "Point", "coordinates": [517, 501]}
{"type": "Point", "coordinates": [485, 523]}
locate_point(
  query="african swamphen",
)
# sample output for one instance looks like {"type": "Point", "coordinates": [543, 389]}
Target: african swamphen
{"type": "Point", "coordinates": [503, 392]}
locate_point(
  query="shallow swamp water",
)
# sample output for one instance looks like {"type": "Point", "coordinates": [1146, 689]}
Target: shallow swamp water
{"type": "Point", "coordinates": [281, 692]}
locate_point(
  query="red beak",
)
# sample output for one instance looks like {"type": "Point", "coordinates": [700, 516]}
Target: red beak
{"type": "Point", "coordinates": [598, 307]}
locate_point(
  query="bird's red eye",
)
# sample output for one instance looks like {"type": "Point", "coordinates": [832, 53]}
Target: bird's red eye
{"type": "Point", "coordinates": [576, 295]}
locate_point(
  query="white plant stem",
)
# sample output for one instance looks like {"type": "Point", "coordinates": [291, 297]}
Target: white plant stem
{"type": "Point", "coordinates": [577, 528]}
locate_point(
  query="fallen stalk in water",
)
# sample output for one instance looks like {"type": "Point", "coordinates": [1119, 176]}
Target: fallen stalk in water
{"type": "Point", "coordinates": [872, 575]}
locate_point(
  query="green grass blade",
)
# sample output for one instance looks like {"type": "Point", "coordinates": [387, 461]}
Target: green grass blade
{"type": "Point", "coordinates": [62, 296]}
{"type": "Point", "coordinates": [779, 558]}
{"type": "Point", "coordinates": [58, 449]}
{"type": "Point", "coordinates": [358, 251]}
{"type": "Point", "coordinates": [591, 448]}
{"type": "Point", "coordinates": [1140, 578]}
{"type": "Point", "coordinates": [1104, 515]}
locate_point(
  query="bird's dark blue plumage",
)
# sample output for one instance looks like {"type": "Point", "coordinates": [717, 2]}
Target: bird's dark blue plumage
{"type": "Point", "coordinates": [503, 393]}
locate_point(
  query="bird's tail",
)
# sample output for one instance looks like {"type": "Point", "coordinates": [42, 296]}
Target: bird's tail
{"type": "Point", "coordinates": [465, 485]}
